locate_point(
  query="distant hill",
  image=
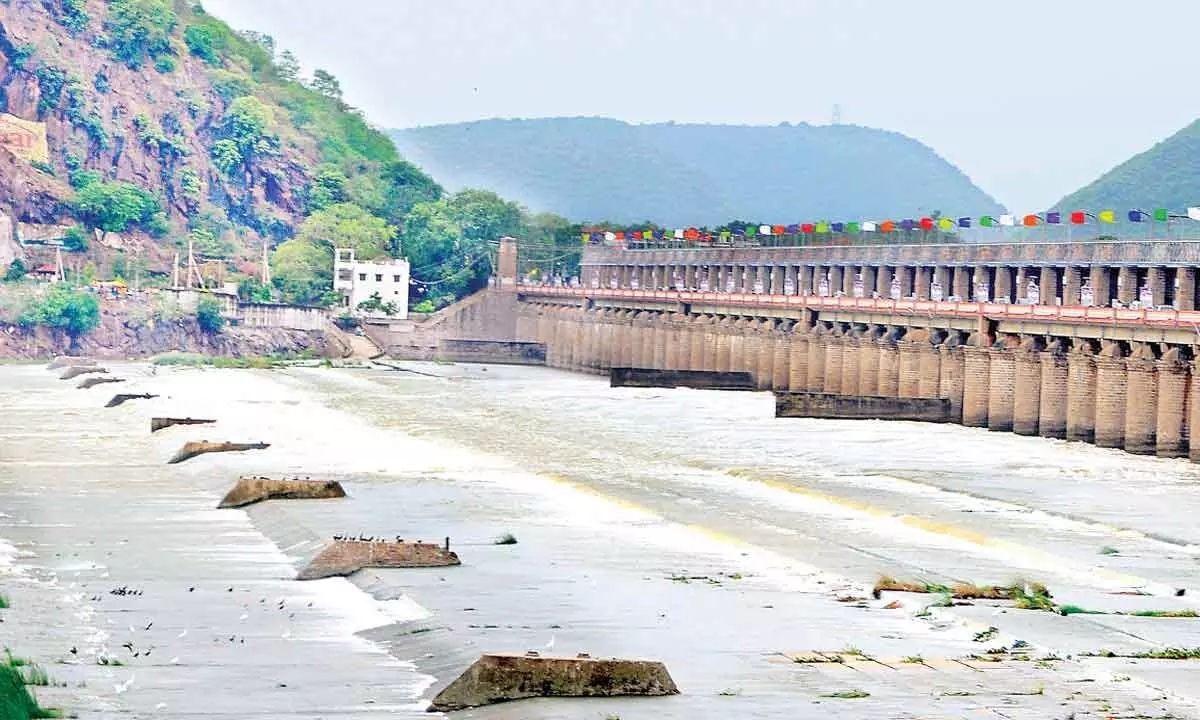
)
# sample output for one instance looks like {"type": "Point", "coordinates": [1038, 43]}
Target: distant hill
{"type": "Point", "coordinates": [598, 169]}
{"type": "Point", "coordinates": [1167, 175]}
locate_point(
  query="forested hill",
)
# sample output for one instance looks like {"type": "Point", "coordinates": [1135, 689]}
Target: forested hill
{"type": "Point", "coordinates": [156, 125]}
{"type": "Point", "coordinates": [599, 169]}
{"type": "Point", "coordinates": [1165, 176]}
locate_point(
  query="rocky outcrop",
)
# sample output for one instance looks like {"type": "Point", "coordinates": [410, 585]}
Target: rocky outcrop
{"type": "Point", "coordinates": [94, 381]}
{"type": "Point", "coordinates": [192, 449]}
{"type": "Point", "coordinates": [160, 423]}
{"type": "Point", "coordinates": [495, 678]}
{"type": "Point", "coordinates": [346, 557]}
{"type": "Point", "coordinates": [252, 490]}
{"type": "Point", "coordinates": [76, 370]}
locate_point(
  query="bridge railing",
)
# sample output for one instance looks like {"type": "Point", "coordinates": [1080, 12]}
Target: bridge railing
{"type": "Point", "coordinates": [1075, 314]}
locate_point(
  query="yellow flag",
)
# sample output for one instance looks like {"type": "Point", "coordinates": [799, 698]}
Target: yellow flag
{"type": "Point", "coordinates": [945, 224]}
{"type": "Point", "coordinates": [1108, 216]}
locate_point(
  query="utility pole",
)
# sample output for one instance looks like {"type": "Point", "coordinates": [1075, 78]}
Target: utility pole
{"type": "Point", "coordinates": [175, 271]}
{"type": "Point", "coordinates": [59, 275]}
{"type": "Point", "coordinates": [266, 266]}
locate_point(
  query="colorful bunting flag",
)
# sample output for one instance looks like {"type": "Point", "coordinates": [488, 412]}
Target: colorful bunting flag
{"type": "Point", "coordinates": [586, 237]}
{"type": "Point", "coordinates": [887, 226]}
{"type": "Point", "coordinates": [1135, 215]}
{"type": "Point", "coordinates": [964, 222]}
{"type": "Point", "coordinates": [620, 236]}
{"type": "Point", "coordinates": [987, 221]}
{"type": "Point", "coordinates": [945, 224]}
{"type": "Point", "coordinates": [1007, 220]}
{"type": "Point", "coordinates": [853, 227]}
{"type": "Point", "coordinates": [778, 230]}
{"type": "Point", "coordinates": [1053, 218]}
{"type": "Point", "coordinates": [1161, 215]}
{"type": "Point", "coordinates": [838, 227]}
{"type": "Point", "coordinates": [679, 233]}
{"type": "Point", "coordinates": [792, 229]}
{"type": "Point", "coordinates": [1193, 213]}
{"type": "Point", "coordinates": [725, 234]}
{"type": "Point", "coordinates": [926, 223]}
{"type": "Point", "coordinates": [610, 236]}
{"type": "Point", "coordinates": [1078, 218]}
{"type": "Point", "coordinates": [822, 228]}
{"type": "Point", "coordinates": [907, 225]}
{"type": "Point", "coordinates": [751, 231]}
{"type": "Point", "coordinates": [1107, 216]}
{"type": "Point", "coordinates": [807, 228]}
{"type": "Point", "coordinates": [869, 226]}
{"type": "Point", "coordinates": [764, 229]}
{"type": "Point", "coordinates": [1029, 220]}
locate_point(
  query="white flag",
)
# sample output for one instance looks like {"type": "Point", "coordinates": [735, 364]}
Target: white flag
{"type": "Point", "coordinates": [1194, 213]}
{"type": "Point", "coordinates": [764, 229]}
{"type": "Point", "coordinates": [678, 234]}
{"type": "Point", "coordinates": [868, 226]}
{"type": "Point", "coordinates": [1007, 220]}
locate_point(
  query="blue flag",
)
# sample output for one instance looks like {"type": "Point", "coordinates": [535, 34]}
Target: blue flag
{"type": "Point", "coordinates": [964, 222]}
{"type": "Point", "coordinates": [1053, 218]}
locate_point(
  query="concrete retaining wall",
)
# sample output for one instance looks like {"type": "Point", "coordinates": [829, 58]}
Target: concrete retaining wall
{"type": "Point", "coordinates": [492, 351]}
{"type": "Point", "coordinates": [292, 317]}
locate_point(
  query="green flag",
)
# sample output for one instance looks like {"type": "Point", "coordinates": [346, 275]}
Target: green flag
{"type": "Point", "coordinates": [852, 227]}
{"type": "Point", "coordinates": [751, 231]}
{"type": "Point", "coordinates": [1160, 214]}
{"type": "Point", "coordinates": [987, 221]}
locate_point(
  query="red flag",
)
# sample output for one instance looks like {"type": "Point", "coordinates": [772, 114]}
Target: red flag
{"type": "Point", "coordinates": [926, 223]}
{"type": "Point", "coordinates": [637, 234]}
{"type": "Point", "coordinates": [808, 228]}
{"type": "Point", "coordinates": [691, 234]}
{"type": "Point", "coordinates": [1078, 218]}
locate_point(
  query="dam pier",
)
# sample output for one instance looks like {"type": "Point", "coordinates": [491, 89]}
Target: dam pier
{"type": "Point", "coordinates": [1085, 341]}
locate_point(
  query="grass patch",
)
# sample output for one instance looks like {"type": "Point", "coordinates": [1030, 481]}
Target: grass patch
{"type": "Point", "coordinates": [818, 659]}
{"type": "Point", "coordinates": [1076, 610]}
{"type": "Point", "coordinates": [219, 361]}
{"type": "Point", "coordinates": [958, 693]}
{"type": "Point", "coordinates": [848, 694]}
{"type": "Point", "coordinates": [1164, 654]}
{"type": "Point", "coordinates": [16, 702]}
{"type": "Point", "coordinates": [1106, 550]}
{"type": "Point", "coordinates": [1166, 613]}
{"type": "Point", "coordinates": [1028, 596]}
{"type": "Point", "coordinates": [914, 660]}
{"type": "Point", "coordinates": [3, 602]}
{"type": "Point", "coordinates": [505, 539]}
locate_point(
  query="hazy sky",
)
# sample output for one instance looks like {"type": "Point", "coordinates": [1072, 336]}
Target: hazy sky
{"type": "Point", "coordinates": [1031, 98]}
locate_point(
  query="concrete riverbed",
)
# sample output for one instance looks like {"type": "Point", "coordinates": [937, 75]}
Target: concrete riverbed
{"type": "Point", "coordinates": [690, 527]}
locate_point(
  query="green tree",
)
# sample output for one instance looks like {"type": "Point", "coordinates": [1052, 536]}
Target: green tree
{"type": "Point", "coordinates": [75, 240]}
{"type": "Point", "coordinates": [117, 206]}
{"type": "Point", "coordinates": [252, 290]}
{"type": "Point", "coordinates": [303, 271]}
{"type": "Point", "coordinates": [288, 68]}
{"type": "Point", "coordinates": [326, 84]}
{"type": "Point", "coordinates": [208, 315]}
{"type": "Point", "coordinates": [205, 43]}
{"type": "Point", "coordinates": [244, 133]}
{"type": "Point", "coordinates": [74, 312]}
{"type": "Point", "coordinates": [16, 270]}
{"type": "Point", "coordinates": [139, 28]}
{"type": "Point", "coordinates": [347, 225]}
{"type": "Point", "coordinates": [328, 187]}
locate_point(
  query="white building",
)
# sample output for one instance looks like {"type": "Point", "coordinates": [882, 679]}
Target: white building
{"type": "Point", "coordinates": [357, 282]}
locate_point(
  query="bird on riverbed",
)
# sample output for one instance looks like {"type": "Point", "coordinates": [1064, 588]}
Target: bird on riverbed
{"type": "Point", "coordinates": [123, 687]}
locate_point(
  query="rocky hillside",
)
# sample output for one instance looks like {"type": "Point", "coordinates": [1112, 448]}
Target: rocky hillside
{"type": "Point", "coordinates": [598, 169]}
{"type": "Point", "coordinates": [162, 125]}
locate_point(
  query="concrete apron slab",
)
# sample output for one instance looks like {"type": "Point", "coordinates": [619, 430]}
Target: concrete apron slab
{"type": "Point", "coordinates": [651, 587]}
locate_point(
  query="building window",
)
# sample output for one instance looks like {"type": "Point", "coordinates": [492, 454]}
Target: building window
{"type": "Point", "coordinates": [379, 278]}
{"type": "Point", "coordinates": [362, 276]}
{"type": "Point", "coordinates": [345, 274]}
{"type": "Point", "coordinates": [396, 278]}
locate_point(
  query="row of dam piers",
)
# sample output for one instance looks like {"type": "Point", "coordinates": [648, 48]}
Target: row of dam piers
{"type": "Point", "coordinates": [1136, 396]}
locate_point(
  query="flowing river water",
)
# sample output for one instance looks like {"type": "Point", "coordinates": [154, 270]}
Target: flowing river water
{"type": "Point", "coordinates": [686, 526]}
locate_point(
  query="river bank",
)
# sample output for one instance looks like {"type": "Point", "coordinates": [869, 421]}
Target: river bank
{"type": "Point", "coordinates": [684, 526]}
